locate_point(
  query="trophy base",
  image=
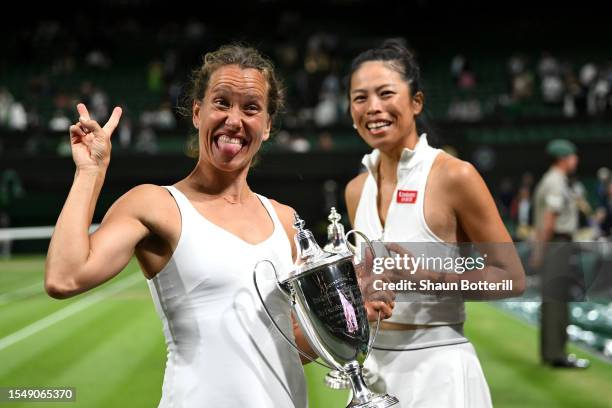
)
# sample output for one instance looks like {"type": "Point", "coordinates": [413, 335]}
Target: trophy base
{"type": "Point", "coordinates": [377, 401]}
{"type": "Point", "coordinates": [336, 380]}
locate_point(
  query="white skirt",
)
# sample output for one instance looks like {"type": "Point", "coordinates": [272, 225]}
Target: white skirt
{"type": "Point", "coordinates": [434, 376]}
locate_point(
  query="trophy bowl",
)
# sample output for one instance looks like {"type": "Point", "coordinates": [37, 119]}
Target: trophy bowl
{"type": "Point", "coordinates": [329, 304]}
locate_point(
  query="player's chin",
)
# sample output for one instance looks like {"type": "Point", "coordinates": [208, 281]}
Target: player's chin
{"type": "Point", "coordinates": [382, 143]}
{"type": "Point", "coordinates": [237, 163]}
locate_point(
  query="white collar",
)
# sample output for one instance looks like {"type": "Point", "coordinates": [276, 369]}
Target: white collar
{"type": "Point", "coordinates": [409, 157]}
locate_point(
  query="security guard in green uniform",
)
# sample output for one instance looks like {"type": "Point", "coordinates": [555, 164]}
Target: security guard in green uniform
{"type": "Point", "coordinates": [556, 220]}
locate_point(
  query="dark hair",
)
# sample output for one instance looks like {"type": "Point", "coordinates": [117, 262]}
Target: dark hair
{"type": "Point", "coordinates": [397, 57]}
{"type": "Point", "coordinates": [232, 54]}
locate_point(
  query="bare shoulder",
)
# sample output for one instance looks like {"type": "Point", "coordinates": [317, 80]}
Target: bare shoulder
{"type": "Point", "coordinates": [143, 202]}
{"type": "Point", "coordinates": [352, 193]}
{"type": "Point", "coordinates": [354, 187]}
{"type": "Point", "coordinates": [145, 195]}
{"type": "Point", "coordinates": [147, 191]}
{"type": "Point", "coordinates": [285, 214]}
{"type": "Point", "coordinates": [462, 186]}
{"type": "Point", "coordinates": [451, 171]}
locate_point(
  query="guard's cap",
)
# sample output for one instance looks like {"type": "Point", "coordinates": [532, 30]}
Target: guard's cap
{"type": "Point", "coordinates": [560, 148]}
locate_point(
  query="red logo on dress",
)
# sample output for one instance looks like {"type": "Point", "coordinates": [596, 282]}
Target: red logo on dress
{"type": "Point", "coordinates": [406, 196]}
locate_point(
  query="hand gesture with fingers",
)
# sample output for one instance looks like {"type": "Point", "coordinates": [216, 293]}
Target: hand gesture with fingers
{"type": "Point", "coordinates": [90, 143]}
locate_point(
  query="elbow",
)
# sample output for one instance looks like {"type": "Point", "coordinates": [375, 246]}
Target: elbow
{"type": "Point", "coordinates": [59, 288]}
{"type": "Point", "coordinates": [58, 291]}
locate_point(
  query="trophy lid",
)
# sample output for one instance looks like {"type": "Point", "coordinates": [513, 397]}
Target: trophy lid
{"type": "Point", "coordinates": [309, 254]}
{"type": "Point", "coordinates": [336, 239]}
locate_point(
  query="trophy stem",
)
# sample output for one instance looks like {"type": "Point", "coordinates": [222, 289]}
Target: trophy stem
{"type": "Point", "coordinates": [361, 394]}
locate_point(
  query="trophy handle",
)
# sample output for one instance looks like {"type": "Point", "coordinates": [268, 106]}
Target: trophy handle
{"type": "Point", "coordinates": [353, 249]}
{"type": "Point", "coordinates": [288, 295]}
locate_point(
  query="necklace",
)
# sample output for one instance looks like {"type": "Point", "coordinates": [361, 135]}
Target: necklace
{"type": "Point", "coordinates": [232, 200]}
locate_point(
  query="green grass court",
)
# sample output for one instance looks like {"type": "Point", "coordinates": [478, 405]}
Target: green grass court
{"type": "Point", "coordinates": [109, 345]}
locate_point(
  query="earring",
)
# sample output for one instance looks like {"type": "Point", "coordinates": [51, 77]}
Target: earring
{"type": "Point", "coordinates": [354, 126]}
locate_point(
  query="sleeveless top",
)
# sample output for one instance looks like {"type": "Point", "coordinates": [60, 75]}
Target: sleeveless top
{"type": "Point", "coordinates": [405, 222]}
{"type": "Point", "coordinates": [222, 349]}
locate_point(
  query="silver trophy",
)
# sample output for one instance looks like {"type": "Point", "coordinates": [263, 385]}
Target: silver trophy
{"type": "Point", "coordinates": [325, 295]}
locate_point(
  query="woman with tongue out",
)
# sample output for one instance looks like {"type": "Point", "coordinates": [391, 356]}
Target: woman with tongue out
{"type": "Point", "coordinates": [412, 192]}
{"type": "Point", "coordinates": [197, 242]}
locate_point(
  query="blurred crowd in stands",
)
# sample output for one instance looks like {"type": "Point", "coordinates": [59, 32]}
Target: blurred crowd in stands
{"type": "Point", "coordinates": [154, 71]}
{"type": "Point", "coordinates": [563, 87]}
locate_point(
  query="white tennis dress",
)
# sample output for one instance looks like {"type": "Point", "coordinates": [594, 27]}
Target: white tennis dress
{"type": "Point", "coordinates": [222, 348]}
{"type": "Point", "coordinates": [434, 367]}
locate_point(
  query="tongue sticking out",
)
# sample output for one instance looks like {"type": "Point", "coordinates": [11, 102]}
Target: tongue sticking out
{"type": "Point", "coordinates": [228, 149]}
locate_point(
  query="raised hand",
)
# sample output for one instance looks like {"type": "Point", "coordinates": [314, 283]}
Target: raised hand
{"type": "Point", "coordinates": [90, 143]}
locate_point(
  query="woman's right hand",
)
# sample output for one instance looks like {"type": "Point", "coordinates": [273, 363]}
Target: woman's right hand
{"type": "Point", "coordinates": [89, 142]}
{"type": "Point", "coordinates": [375, 301]}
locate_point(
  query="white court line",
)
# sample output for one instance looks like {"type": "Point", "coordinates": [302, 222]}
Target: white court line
{"type": "Point", "coordinates": [68, 311]}
{"type": "Point", "coordinates": [21, 292]}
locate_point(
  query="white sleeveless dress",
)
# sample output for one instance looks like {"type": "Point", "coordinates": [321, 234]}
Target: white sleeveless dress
{"type": "Point", "coordinates": [223, 351]}
{"type": "Point", "coordinates": [434, 367]}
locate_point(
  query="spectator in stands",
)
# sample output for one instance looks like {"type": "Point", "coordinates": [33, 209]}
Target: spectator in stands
{"type": "Point", "coordinates": [467, 79]}
{"type": "Point", "coordinates": [520, 77]}
{"type": "Point", "coordinates": [155, 73]}
{"type": "Point", "coordinates": [572, 95]}
{"type": "Point", "coordinates": [600, 94]}
{"type": "Point", "coordinates": [59, 122]}
{"type": "Point", "coordinates": [506, 194]}
{"type": "Point", "coordinates": [161, 118]}
{"type": "Point", "coordinates": [6, 102]}
{"type": "Point", "coordinates": [96, 58]}
{"type": "Point", "coordinates": [552, 89]}
{"type": "Point", "coordinates": [298, 143]}
{"type": "Point", "coordinates": [523, 213]}
{"type": "Point", "coordinates": [520, 210]}
{"type": "Point", "coordinates": [325, 142]}
{"type": "Point", "coordinates": [456, 68]}
{"type": "Point", "coordinates": [124, 131]}
{"type": "Point", "coordinates": [465, 110]}
{"type": "Point", "coordinates": [86, 91]}
{"type": "Point", "coordinates": [517, 64]}
{"type": "Point", "coordinates": [187, 238]}
{"type": "Point", "coordinates": [588, 74]}
{"type": "Point", "coordinates": [584, 208]}
{"type": "Point", "coordinates": [605, 213]}
{"type": "Point", "coordinates": [165, 117]}
{"type": "Point", "coordinates": [522, 86]}
{"type": "Point", "coordinates": [146, 140]}
{"type": "Point", "coordinates": [17, 117]}
{"type": "Point", "coordinates": [10, 189]}
{"type": "Point", "coordinates": [603, 178]}
{"type": "Point", "coordinates": [548, 65]}
{"type": "Point", "coordinates": [99, 103]}
{"type": "Point", "coordinates": [326, 112]}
